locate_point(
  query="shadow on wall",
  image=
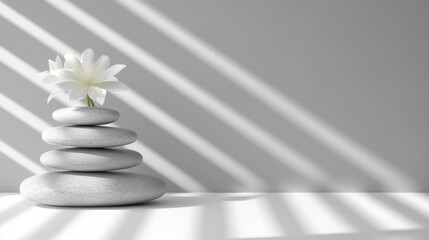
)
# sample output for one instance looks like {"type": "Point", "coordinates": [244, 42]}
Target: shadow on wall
{"type": "Point", "coordinates": [229, 216]}
{"type": "Point", "coordinates": [220, 147]}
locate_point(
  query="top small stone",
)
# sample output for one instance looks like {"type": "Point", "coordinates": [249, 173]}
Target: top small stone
{"type": "Point", "coordinates": [85, 115]}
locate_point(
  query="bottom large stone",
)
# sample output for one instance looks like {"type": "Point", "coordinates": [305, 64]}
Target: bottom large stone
{"type": "Point", "coordinates": [91, 188]}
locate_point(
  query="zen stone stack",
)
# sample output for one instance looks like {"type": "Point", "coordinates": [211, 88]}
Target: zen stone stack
{"type": "Point", "coordinates": [89, 162]}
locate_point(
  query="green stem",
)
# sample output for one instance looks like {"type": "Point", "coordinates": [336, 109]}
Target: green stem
{"type": "Point", "coordinates": [89, 101]}
{"type": "Point", "coordinates": [92, 102]}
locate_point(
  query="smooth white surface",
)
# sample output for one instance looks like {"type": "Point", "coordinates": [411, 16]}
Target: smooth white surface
{"type": "Point", "coordinates": [251, 218]}
{"type": "Point", "coordinates": [379, 215]}
{"type": "Point", "coordinates": [312, 214]}
{"type": "Point", "coordinates": [188, 216]}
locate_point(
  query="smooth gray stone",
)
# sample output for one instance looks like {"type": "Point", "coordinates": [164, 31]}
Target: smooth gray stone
{"type": "Point", "coordinates": [91, 159]}
{"type": "Point", "coordinates": [91, 189]}
{"type": "Point", "coordinates": [88, 136]}
{"type": "Point", "coordinates": [85, 115]}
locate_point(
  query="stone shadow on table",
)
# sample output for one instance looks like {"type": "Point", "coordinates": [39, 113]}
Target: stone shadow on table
{"type": "Point", "coordinates": [135, 218]}
{"type": "Point", "coordinates": [171, 201]}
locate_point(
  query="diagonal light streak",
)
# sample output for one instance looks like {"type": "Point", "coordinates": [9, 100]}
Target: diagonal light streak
{"type": "Point", "coordinates": [32, 217]}
{"type": "Point", "coordinates": [418, 202]}
{"type": "Point", "coordinates": [31, 28]}
{"type": "Point", "coordinates": [380, 216]}
{"type": "Point", "coordinates": [158, 116]}
{"type": "Point", "coordinates": [32, 121]}
{"type": "Point", "coordinates": [22, 114]}
{"type": "Point", "coordinates": [260, 137]}
{"type": "Point", "coordinates": [315, 127]}
{"type": "Point", "coordinates": [20, 158]}
{"type": "Point", "coordinates": [312, 213]}
{"type": "Point", "coordinates": [193, 140]}
{"type": "Point", "coordinates": [152, 159]}
{"type": "Point", "coordinates": [251, 219]}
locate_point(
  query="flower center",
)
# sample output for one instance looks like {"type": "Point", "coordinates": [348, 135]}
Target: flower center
{"type": "Point", "coordinates": [90, 80]}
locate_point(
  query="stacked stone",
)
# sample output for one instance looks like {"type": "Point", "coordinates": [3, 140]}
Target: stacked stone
{"type": "Point", "coordinates": [90, 160]}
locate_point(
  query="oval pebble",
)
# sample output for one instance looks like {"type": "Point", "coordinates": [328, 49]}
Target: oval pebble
{"type": "Point", "coordinates": [85, 115]}
{"type": "Point", "coordinates": [88, 136]}
{"type": "Point", "coordinates": [91, 189]}
{"type": "Point", "coordinates": [91, 159]}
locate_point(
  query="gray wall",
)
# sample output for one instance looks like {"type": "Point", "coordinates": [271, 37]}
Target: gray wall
{"type": "Point", "coordinates": [301, 95]}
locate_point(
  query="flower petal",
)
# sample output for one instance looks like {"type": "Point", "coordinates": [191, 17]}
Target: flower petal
{"type": "Point", "coordinates": [113, 86]}
{"type": "Point", "coordinates": [51, 80]}
{"type": "Point", "coordinates": [87, 59]}
{"type": "Point", "coordinates": [43, 74]}
{"type": "Point", "coordinates": [67, 74]}
{"type": "Point", "coordinates": [112, 79]}
{"type": "Point", "coordinates": [70, 85]}
{"type": "Point", "coordinates": [110, 72]}
{"type": "Point", "coordinates": [58, 62]}
{"type": "Point", "coordinates": [52, 66]}
{"type": "Point", "coordinates": [97, 94]}
{"type": "Point", "coordinates": [100, 65]}
{"type": "Point", "coordinates": [67, 65]}
{"type": "Point", "coordinates": [54, 94]}
{"type": "Point", "coordinates": [77, 94]}
{"type": "Point", "coordinates": [74, 63]}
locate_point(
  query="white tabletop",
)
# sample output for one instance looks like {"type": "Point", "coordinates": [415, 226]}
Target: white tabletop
{"type": "Point", "coordinates": [188, 216]}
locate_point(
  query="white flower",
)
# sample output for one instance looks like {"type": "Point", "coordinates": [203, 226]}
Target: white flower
{"type": "Point", "coordinates": [83, 77]}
